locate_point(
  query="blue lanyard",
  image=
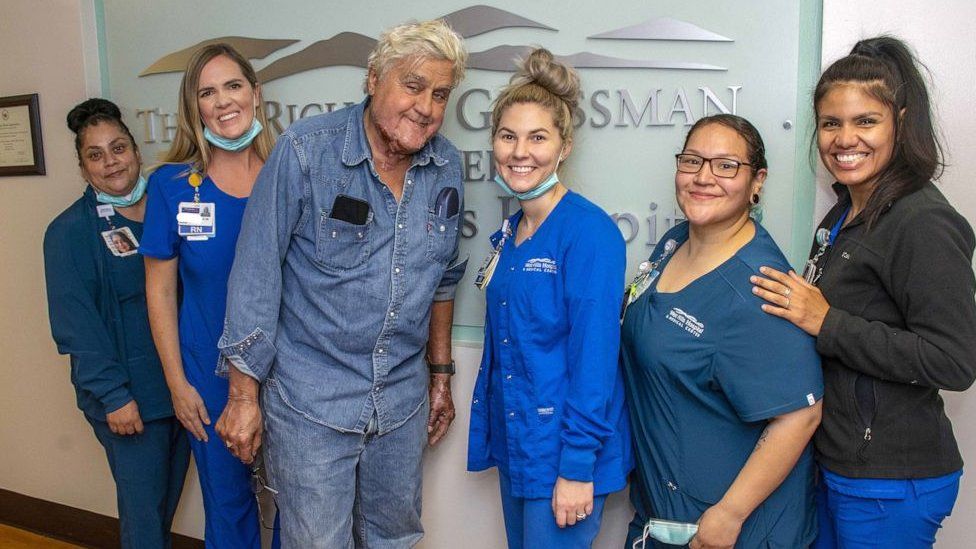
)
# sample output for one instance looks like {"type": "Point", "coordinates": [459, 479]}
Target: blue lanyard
{"type": "Point", "coordinates": [837, 226]}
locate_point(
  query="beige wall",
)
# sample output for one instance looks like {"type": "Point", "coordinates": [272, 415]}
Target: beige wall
{"type": "Point", "coordinates": [49, 450]}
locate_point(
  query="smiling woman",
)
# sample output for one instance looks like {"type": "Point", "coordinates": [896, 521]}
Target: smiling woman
{"type": "Point", "coordinates": [196, 202]}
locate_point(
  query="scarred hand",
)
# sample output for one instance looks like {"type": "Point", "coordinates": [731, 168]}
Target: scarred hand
{"type": "Point", "coordinates": [441, 408]}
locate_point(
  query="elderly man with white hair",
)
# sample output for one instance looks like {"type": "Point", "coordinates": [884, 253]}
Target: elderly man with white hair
{"type": "Point", "coordinates": [341, 302]}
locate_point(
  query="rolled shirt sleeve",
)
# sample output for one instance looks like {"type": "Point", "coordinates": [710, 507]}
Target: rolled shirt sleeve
{"type": "Point", "coordinates": [254, 288]}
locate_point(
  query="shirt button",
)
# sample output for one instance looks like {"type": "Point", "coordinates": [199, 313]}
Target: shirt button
{"type": "Point", "coordinates": [509, 376]}
{"type": "Point", "coordinates": [379, 351]}
{"type": "Point", "coordinates": [392, 314]}
{"type": "Point", "coordinates": [376, 390]}
{"type": "Point", "coordinates": [511, 414]}
{"type": "Point", "coordinates": [504, 303]}
{"type": "Point", "coordinates": [442, 228]}
{"type": "Point", "coordinates": [396, 270]}
{"type": "Point", "coordinates": [505, 341]}
{"type": "Point", "coordinates": [399, 225]}
{"type": "Point", "coordinates": [410, 182]}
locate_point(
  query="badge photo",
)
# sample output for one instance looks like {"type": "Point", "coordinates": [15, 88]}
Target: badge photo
{"type": "Point", "coordinates": [121, 242]}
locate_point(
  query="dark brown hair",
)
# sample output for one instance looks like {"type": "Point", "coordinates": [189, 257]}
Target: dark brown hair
{"type": "Point", "coordinates": [92, 113]}
{"type": "Point", "coordinates": [887, 70]}
{"type": "Point", "coordinates": [755, 148]}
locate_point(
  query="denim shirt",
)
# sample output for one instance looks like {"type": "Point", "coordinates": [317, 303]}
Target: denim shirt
{"type": "Point", "coordinates": [332, 314]}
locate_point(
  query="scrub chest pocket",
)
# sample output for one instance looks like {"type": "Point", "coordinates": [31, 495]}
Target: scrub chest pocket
{"type": "Point", "coordinates": [340, 245]}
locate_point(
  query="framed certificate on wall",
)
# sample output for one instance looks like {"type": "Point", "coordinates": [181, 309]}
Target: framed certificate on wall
{"type": "Point", "coordinates": [21, 146]}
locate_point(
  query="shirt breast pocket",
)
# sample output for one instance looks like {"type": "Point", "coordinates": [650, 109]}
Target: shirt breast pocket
{"type": "Point", "coordinates": [340, 245]}
{"type": "Point", "coordinates": [442, 233]}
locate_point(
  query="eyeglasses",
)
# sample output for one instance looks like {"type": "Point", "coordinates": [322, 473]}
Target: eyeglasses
{"type": "Point", "coordinates": [258, 485]}
{"type": "Point", "coordinates": [721, 167]}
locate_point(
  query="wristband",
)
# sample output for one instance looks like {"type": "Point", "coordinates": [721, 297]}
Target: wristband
{"type": "Point", "coordinates": [440, 368]}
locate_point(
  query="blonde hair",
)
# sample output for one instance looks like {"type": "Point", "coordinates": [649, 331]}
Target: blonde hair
{"type": "Point", "coordinates": [189, 146]}
{"type": "Point", "coordinates": [542, 80]}
{"type": "Point", "coordinates": [432, 39]}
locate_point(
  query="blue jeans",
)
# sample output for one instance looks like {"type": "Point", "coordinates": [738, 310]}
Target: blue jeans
{"type": "Point", "coordinates": [341, 489]}
{"type": "Point", "coordinates": [861, 513]}
{"type": "Point", "coordinates": [530, 524]}
{"type": "Point", "coordinates": [148, 469]}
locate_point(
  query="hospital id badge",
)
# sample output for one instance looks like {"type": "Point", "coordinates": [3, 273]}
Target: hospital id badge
{"type": "Point", "coordinates": [196, 220]}
{"type": "Point", "coordinates": [640, 284]}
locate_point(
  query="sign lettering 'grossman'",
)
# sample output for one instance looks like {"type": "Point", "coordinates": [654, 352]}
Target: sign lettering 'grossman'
{"type": "Point", "coordinates": [643, 84]}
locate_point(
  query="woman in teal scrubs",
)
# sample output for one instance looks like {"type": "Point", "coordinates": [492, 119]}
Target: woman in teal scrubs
{"type": "Point", "coordinates": [723, 398]}
{"type": "Point", "coordinates": [97, 303]}
{"type": "Point", "coordinates": [196, 202]}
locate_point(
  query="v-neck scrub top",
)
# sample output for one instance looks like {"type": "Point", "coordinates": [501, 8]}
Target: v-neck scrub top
{"type": "Point", "coordinates": [204, 267]}
{"type": "Point", "coordinates": [549, 399]}
{"type": "Point", "coordinates": [706, 369]}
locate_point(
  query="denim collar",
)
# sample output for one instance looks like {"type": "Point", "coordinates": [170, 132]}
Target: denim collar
{"type": "Point", "coordinates": [356, 148]}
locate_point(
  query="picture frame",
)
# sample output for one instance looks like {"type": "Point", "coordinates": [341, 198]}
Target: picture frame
{"type": "Point", "coordinates": [21, 144]}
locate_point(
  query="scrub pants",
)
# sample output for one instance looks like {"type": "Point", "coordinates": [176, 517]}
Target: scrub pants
{"type": "Point", "coordinates": [230, 511]}
{"type": "Point", "coordinates": [149, 470]}
{"type": "Point", "coordinates": [530, 524]}
{"type": "Point", "coordinates": [862, 513]}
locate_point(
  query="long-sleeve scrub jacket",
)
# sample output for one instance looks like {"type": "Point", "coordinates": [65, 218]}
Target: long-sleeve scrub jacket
{"type": "Point", "coordinates": [549, 399]}
{"type": "Point", "coordinates": [97, 307]}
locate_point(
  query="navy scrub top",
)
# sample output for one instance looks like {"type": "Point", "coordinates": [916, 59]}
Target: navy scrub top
{"type": "Point", "coordinates": [705, 370]}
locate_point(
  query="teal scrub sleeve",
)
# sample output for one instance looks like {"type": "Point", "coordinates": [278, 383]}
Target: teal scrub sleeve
{"type": "Point", "coordinates": [766, 366]}
{"type": "Point", "coordinates": [594, 268]}
{"type": "Point", "coordinates": [76, 325]}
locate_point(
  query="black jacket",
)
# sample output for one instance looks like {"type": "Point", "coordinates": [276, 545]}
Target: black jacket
{"type": "Point", "coordinates": [901, 326]}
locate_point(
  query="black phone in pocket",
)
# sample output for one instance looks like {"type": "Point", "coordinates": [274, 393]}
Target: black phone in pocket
{"type": "Point", "coordinates": [349, 209]}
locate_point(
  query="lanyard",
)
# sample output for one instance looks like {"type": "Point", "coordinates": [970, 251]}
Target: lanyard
{"type": "Point", "coordinates": [813, 271]}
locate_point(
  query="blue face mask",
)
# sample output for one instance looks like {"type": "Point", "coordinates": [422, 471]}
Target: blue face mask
{"type": "Point", "coordinates": [540, 190]}
{"type": "Point", "coordinates": [135, 195]}
{"type": "Point", "coordinates": [666, 531]}
{"type": "Point", "coordinates": [234, 145]}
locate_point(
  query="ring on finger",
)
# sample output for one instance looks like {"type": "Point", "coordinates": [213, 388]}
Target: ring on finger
{"type": "Point", "coordinates": [787, 292]}
{"type": "Point", "coordinates": [580, 516]}
{"type": "Point", "coordinates": [787, 303]}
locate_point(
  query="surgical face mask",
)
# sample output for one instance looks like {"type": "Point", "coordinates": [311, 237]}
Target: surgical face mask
{"type": "Point", "coordinates": [540, 189]}
{"type": "Point", "coordinates": [667, 531]}
{"type": "Point", "coordinates": [234, 145]}
{"type": "Point", "coordinates": [135, 195]}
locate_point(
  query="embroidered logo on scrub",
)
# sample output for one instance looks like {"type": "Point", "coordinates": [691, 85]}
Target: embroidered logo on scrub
{"type": "Point", "coordinates": [686, 321]}
{"type": "Point", "coordinates": [540, 265]}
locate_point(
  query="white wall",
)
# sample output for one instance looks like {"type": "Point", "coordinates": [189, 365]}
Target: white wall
{"type": "Point", "coordinates": [942, 35]}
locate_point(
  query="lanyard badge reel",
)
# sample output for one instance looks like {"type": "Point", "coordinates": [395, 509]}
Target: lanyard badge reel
{"type": "Point", "coordinates": [647, 273]}
{"type": "Point", "coordinates": [812, 271]}
{"type": "Point", "coordinates": [196, 220]}
{"type": "Point", "coordinates": [488, 267]}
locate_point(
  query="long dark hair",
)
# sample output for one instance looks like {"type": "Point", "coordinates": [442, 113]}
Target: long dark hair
{"type": "Point", "coordinates": [889, 71]}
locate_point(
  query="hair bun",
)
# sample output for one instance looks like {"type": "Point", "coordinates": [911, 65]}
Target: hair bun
{"type": "Point", "coordinates": [85, 111]}
{"type": "Point", "coordinates": [542, 69]}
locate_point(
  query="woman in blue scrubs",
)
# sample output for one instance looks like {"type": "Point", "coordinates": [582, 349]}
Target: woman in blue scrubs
{"type": "Point", "coordinates": [548, 407]}
{"type": "Point", "coordinates": [97, 303]}
{"type": "Point", "coordinates": [196, 201]}
{"type": "Point", "coordinates": [723, 398]}
{"type": "Point", "coordinates": [888, 293]}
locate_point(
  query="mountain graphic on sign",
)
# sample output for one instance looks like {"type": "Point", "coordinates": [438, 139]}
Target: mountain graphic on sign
{"type": "Point", "coordinates": [352, 49]}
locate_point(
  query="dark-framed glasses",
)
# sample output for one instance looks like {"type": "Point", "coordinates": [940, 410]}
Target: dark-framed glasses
{"type": "Point", "coordinates": [259, 484]}
{"type": "Point", "coordinates": [721, 167]}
